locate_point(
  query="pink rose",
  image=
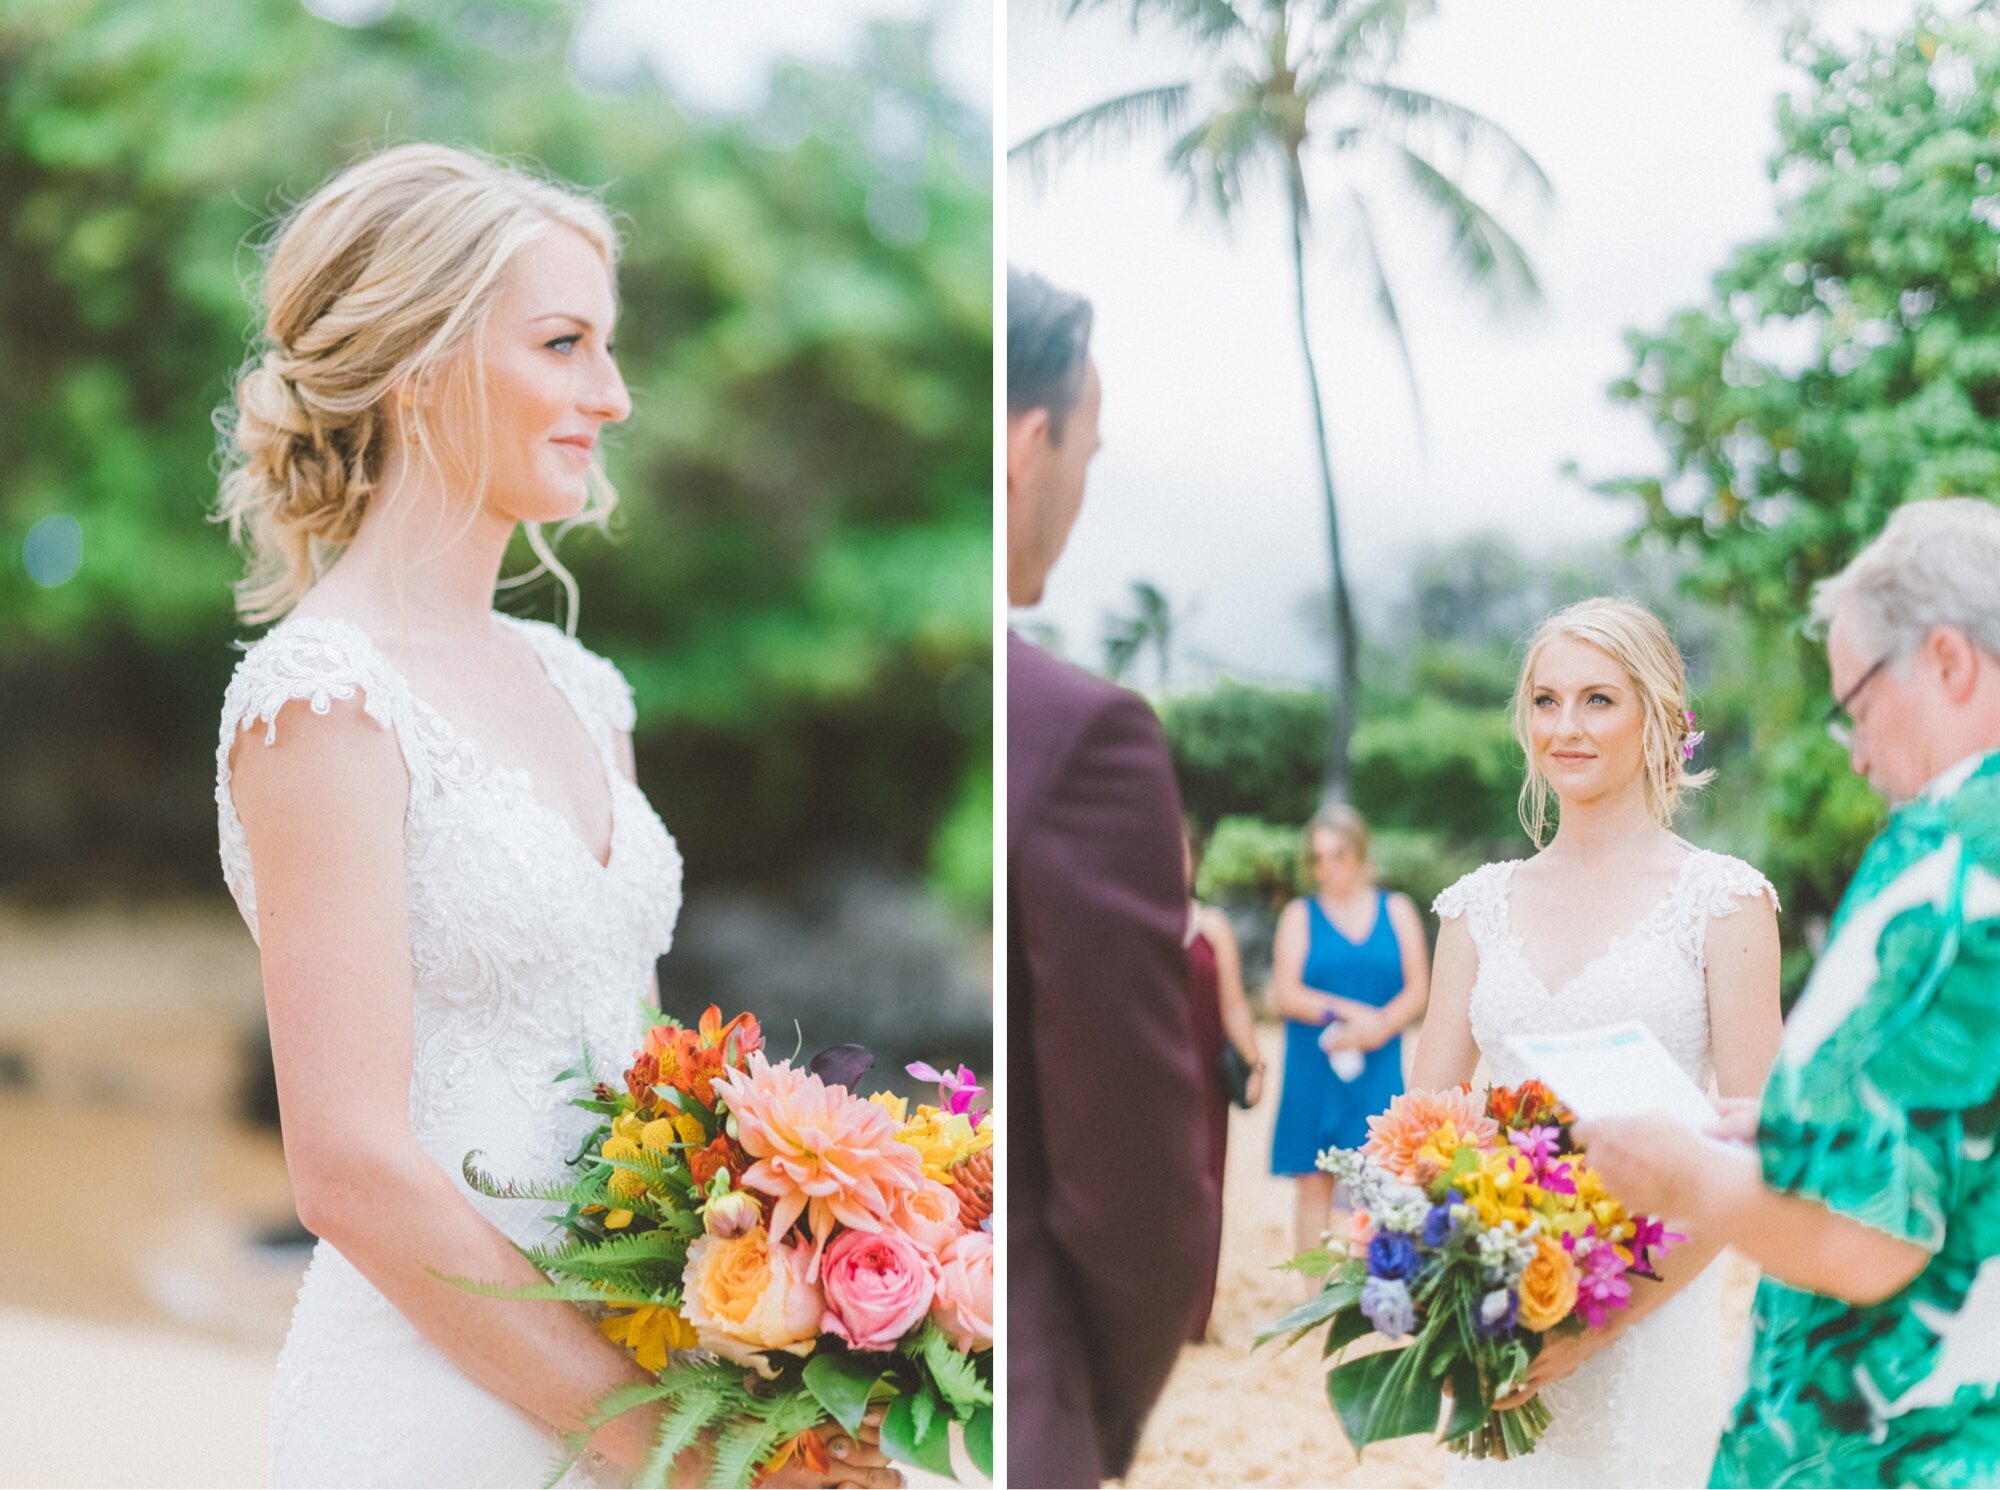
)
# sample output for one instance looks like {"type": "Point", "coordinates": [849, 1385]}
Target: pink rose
{"type": "Point", "coordinates": [877, 1286]}
{"type": "Point", "coordinates": [928, 1216]}
{"type": "Point", "coordinates": [964, 1307]}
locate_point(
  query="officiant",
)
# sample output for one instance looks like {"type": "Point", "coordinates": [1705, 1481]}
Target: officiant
{"type": "Point", "coordinates": [1870, 1190]}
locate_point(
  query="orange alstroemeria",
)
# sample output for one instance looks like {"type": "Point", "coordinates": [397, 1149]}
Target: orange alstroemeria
{"type": "Point", "coordinates": [809, 1449]}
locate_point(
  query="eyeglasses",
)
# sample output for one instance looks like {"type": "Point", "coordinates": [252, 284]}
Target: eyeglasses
{"type": "Point", "coordinates": [1839, 723]}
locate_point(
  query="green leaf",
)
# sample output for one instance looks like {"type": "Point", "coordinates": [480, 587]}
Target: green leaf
{"type": "Point", "coordinates": [955, 1373]}
{"type": "Point", "coordinates": [1321, 1307]}
{"type": "Point", "coordinates": [1384, 1395]}
{"type": "Point", "coordinates": [979, 1440]}
{"type": "Point", "coordinates": [901, 1440]}
{"type": "Point", "coordinates": [1348, 1326]}
{"type": "Point", "coordinates": [1470, 1403]}
{"type": "Point", "coordinates": [843, 1385]}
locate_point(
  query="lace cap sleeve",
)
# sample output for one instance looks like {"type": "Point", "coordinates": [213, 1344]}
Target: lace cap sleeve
{"type": "Point", "coordinates": [308, 660]}
{"type": "Point", "coordinates": [595, 682]}
{"type": "Point", "coordinates": [314, 661]}
{"type": "Point", "coordinates": [1480, 897]}
{"type": "Point", "coordinates": [1723, 883]}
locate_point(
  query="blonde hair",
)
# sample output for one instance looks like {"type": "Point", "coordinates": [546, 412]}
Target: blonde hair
{"type": "Point", "coordinates": [1637, 641]}
{"type": "Point", "coordinates": [382, 280]}
{"type": "Point", "coordinates": [1342, 821]}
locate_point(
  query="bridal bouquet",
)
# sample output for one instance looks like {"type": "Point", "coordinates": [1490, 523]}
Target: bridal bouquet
{"type": "Point", "coordinates": [781, 1252]}
{"type": "Point", "coordinates": [1478, 1232]}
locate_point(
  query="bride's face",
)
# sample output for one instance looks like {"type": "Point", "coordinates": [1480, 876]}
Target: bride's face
{"type": "Point", "coordinates": [1584, 721]}
{"type": "Point", "coordinates": [551, 381]}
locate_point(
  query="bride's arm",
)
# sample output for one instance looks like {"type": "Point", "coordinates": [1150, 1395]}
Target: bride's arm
{"type": "Point", "coordinates": [322, 809]}
{"type": "Point", "coordinates": [1447, 1055]}
{"type": "Point", "coordinates": [1744, 1021]}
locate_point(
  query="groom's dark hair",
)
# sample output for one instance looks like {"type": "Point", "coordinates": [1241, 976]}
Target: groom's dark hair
{"type": "Point", "coordinates": [1048, 344]}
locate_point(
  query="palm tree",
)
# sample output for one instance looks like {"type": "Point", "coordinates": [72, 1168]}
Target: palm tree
{"type": "Point", "coordinates": [1150, 625]}
{"type": "Point", "coordinates": [1293, 82]}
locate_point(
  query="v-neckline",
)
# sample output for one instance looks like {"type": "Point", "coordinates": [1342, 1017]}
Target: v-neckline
{"type": "Point", "coordinates": [1616, 945]}
{"type": "Point", "coordinates": [520, 777]}
{"type": "Point", "coordinates": [1340, 931]}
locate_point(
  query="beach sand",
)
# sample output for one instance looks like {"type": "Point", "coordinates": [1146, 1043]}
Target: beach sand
{"type": "Point", "coordinates": [1231, 1417]}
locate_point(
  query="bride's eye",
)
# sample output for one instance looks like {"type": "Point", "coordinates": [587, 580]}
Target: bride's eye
{"type": "Point", "coordinates": [1543, 700]}
{"type": "Point", "coordinates": [564, 344]}
{"type": "Point", "coordinates": [1600, 698]}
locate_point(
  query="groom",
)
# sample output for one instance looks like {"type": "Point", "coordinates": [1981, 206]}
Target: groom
{"type": "Point", "coordinates": [1872, 1202]}
{"type": "Point", "coordinates": [1109, 1211]}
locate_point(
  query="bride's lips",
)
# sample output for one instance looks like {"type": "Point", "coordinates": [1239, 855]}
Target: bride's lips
{"type": "Point", "coordinates": [1571, 757]}
{"type": "Point", "coordinates": [581, 445]}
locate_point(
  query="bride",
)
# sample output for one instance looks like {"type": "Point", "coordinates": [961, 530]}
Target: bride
{"type": "Point", "coordinates": [1615, 918]}
{"type": "Point", "coordinates": [428, 814]}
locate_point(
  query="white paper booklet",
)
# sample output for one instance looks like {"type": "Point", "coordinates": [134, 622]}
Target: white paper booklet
{"type": "Point", "coordinates": [1616, 1070]}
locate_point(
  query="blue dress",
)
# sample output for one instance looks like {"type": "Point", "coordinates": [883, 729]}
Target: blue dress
{"type": "Point", "coordinates": [1317, 1110]}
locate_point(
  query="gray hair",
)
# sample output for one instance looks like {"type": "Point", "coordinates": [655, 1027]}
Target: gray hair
{"type": "Point", "coordinates": [1048, 344]}
{"type": "Point", "coordinates": [1936, 563]}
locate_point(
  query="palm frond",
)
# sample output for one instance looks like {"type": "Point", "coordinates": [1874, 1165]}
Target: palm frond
{"type": "Point", "coordinates": [1214, 156]}
{"type": "Point", "coordinates": [1364, 28]}
{"type": "Point", "coordinates": [1203, 20]}
{"type": "Point", "coordinates": [554, 1291]}
{"type": "Point", "coordinates": [1112, 121]}
{"type": "Point", "coordinates": [584, 1190]}
{"type": "Point", "coordinates": [1472, 130]}
{"type": "Point", "coordinates": [1385, 299]}
{"type": "Point", "coordinates": [1485, 251]}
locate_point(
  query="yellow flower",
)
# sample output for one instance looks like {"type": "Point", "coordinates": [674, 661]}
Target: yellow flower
{"type": "Point", "coordinates": [690, 1129]}
{"type": "Point", "coordinates": [617, 1220]}
{"type": "Point", "coordinates": [627, 1125]}
{"type": "Point", "coordinates": [1502, 1188]}
{"type": "Point", "coordinates": [649, 1332]}
{"type": "Point", "coordinates": [626, 1185]}
{"type": "Point", "coordinates": [619, 1147]}
{"type": "Point", "coordinates": [897, 1107]}
{"type": "Point", "coordinates": [942, 1139]}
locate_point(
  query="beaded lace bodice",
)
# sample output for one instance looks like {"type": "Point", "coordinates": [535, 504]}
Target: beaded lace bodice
{"type": "Point", "coordinates": [1647, 1408]}
{"type": "Point", "coordinates": [525, 953]}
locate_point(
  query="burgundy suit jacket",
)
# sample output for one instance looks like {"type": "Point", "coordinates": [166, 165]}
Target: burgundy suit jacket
{"type": "Point", "coordinates": [1109, 1205]}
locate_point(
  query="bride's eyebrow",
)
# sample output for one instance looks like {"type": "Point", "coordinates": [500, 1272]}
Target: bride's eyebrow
{"type": "Point", "coordinates": [564, 315]}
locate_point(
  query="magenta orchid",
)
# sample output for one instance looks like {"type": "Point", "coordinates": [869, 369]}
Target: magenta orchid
{"type": "Point", "coordinates": [1651, 1235]}
{"type": "Point", "coordinates": [956, 1089]}
{"type": "Point", "coordinates": [1541, 1147]}
{"type": "Point", "coordinates": [1693, 740]}
{"type": "Point", "coordinates": [1603, 1286]}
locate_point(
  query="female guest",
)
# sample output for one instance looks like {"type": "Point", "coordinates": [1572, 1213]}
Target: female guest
{"type": "Point", "coordinates": [1221, 1019]}
{"type": "Point", "coordinates": [1349, 971]}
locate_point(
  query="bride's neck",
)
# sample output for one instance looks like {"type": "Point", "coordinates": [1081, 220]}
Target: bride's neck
{"type": "Point", "coordinates": [418, 568]}
{"type": "Point", "coordinates": [1605, 829]}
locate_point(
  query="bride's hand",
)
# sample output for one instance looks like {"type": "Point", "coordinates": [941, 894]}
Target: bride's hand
{"type": "Point", "coordinates": [1560, 1356]}
{"type": "Point", "coordinates": [857, 1461]}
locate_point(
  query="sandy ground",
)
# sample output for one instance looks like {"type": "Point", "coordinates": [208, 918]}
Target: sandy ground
{"type": "Point", "coordinates": [1231, 1417]}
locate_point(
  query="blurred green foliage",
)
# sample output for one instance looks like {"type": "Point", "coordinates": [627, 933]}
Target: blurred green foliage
{"type": "Point", "coordinates": [1845, 364]}
{"type": "Point", "coordinates": [799, 585]}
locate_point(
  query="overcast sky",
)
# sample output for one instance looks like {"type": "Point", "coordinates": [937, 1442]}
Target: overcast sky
{"type": "Point", "coordinates": [1655, 124]}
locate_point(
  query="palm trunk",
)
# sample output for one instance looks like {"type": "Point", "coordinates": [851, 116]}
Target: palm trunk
{"type": "Point", "coordinates": [1346, 646]}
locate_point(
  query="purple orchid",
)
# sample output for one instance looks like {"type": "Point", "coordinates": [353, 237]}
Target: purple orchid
{"type": "Point", "coordinates": [1693, 740]}
{"type": "Point", "coordinates": [1651, 1235]}
{"type": "Point", "coordinates": [1603, 1286]}
{"type": "Point", "coordinates": [1541, 1147]}
{"type": "Point", "coordinates": [956, 1089]}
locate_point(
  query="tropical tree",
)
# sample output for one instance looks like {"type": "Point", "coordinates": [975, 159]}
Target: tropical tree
{"type": "Point", "coordinates": [1305, 89]}
{"type": "Point", "coordinates": [1148, 627]}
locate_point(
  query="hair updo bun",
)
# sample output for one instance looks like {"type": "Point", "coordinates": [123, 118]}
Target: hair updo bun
{"type": "Point", "coordinates": [382, 277]}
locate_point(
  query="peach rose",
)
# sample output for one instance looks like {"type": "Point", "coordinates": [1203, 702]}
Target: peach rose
{"type": "Point", "coordinates": [964, 1307]}
{"type": "Point", "coordinates": [877, 1286]}
{"type": "Point", "coordinates": [745, 1296]}
{"type": "Point", "coordinates": [928, 1216]}
{"type": "Point", "coordinates": [1548, 1287]}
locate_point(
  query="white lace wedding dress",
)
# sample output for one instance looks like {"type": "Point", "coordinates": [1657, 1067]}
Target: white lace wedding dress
{"type": "Point", "coordinates": [524, 950]}
{"type": "Point", "coordinates": [1647, 1409]}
